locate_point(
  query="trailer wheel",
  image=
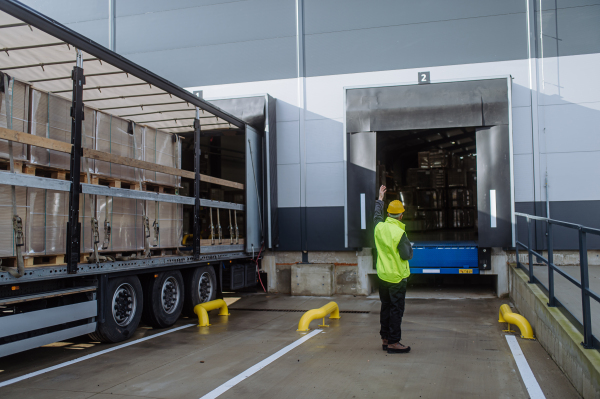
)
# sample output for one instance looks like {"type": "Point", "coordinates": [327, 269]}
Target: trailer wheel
{"type": "Point", "coordinates": [200, 287]}
{"type": "Point", "coordinates": [122, 310]}
{"type": "Point", "coordinates": [163, 299]}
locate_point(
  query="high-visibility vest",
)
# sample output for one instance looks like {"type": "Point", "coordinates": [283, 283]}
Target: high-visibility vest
{"type": "Point", "coordinates": [390, 266]}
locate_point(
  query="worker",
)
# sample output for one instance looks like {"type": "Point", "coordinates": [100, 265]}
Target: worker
{"type": "Point", "coordinates": [394, 250]}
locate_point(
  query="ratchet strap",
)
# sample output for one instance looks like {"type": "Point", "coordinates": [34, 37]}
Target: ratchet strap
{"type": "Point", "coordinates": [219, 227]}
{"type": "Point", "coordinates": [237, 231]}
{"type": "Point", "coordinates": [212, 229]}
{"type": "Point", "coordinates": [230, 229]}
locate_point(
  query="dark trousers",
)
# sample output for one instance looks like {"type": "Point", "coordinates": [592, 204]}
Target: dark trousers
{"type": "Point", "coordinates": [392, 309]}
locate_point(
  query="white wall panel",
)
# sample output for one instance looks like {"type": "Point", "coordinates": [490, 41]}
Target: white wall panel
{"type": "Point", "coordinates": [288, 186]}
{"type": "Point", "coordinates": [288, 143]}
{"type": "Point", "coordinates": [325, 184]}
{"type": "Point", "coordinates": [573, 176]}
{"type": "Point", "coordinates": [521, 117]}
{"type": "Point", "coordinates": [523, 167]}
{"type": "Point", "coordinates": [571, 79]}
{"type": "Point", "coordinates": [571, 127]}
{"type": "Point", "coordinates": [324, 94]}
{"type": "Point", "coordinates": [324, 140]}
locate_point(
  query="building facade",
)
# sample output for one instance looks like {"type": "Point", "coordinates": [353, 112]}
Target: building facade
{"type": "Point", "coordinates": [306, 53]}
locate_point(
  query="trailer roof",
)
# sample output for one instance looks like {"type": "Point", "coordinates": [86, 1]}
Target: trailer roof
{"type": "Point", "coordinates": [40, 51]}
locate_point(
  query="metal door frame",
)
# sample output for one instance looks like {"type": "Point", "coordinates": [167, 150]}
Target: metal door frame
{"type": "Point", "coordinates": [510, 140]}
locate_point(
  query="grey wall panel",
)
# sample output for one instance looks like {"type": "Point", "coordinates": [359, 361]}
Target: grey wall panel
{"type": "Point", "coordinates": [289, 229]}
{"type": "Point", "coordinates": [133, 7]}
{"type": "Point", "coordinates": [571, 127]}
{"type": "Point", "coordinates": [325, 184]}
{"type": "Point", "coordinates": [497, 38]}
{"type": "Point", "coordinates": [288, 143]}
{"type": "Point", "coordinates": [523, 175]}
{"type": "Point", "coordinates": [324, 141]}
{"type": "Point", "coordinates": [571, 31]}
{"type": "Point", "coordinates": [521, 118]}
{"type": "Point", "coordinates": [579, 212]}
{"type": "Point", "coordinates": [336, 15]}
{"type": "Point", "coordinates": [194, 27]}
{"type": "Point", "coordinates": [67, 11]}
{"type": "Point", "coordinates": [97, 30]}
{"type": "Point", "coordinates": [573, 176]}
{"type": "Point", "coordinates": [325, 228]}
{"type": "Point", "coordinates": [552, 4]}
{"type": "Point", "coordinates": [288, 185]}
{"type": "Point", "coordinates": [227, 63]}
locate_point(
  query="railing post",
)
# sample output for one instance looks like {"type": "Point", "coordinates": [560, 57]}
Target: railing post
{"type": "Point", "coordinates": [73, 226]}
{"type": "Point", "coordinates": [551, 299]}
{"type": "Point", "coordinates": [529, 249]}
{"type": "Point", "coordinates": [585, 285]}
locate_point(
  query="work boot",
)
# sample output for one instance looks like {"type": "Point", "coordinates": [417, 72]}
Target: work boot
{"type": "Point", "coordinates": [397, 348]}
{"type": "Point", "coordinates": [384, 344]}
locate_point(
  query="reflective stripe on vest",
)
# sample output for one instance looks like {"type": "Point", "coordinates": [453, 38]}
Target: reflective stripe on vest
{"type": "Point", "coordinates": [390, 267]}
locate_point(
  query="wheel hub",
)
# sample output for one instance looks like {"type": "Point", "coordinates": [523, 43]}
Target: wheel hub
{"type": "Point", "coordinates": [205, 287]}
{"type": "Point", "coordinates": [170, 295]}
{"type": "Point", "coordinates": [124, 304]}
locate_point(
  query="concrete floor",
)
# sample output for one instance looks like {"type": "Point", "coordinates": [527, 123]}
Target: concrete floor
{"type": "Point", "coordinates": [458, 351]}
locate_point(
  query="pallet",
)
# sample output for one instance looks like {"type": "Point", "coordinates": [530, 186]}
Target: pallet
{"type": "Point", "coordinates": [35, 260]}
{"type": "Point", "coordinates": [5, 165]}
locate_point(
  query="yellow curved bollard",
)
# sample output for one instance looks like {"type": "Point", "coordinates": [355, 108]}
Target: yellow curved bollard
{"type": "Point", "coordinates": [202, 311]}
{"type": "Point", "coordinates": [507, 316]}
{"type": "Point", "coordinates": [330, 309]}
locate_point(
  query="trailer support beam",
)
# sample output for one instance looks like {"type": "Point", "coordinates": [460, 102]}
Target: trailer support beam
{"type": "Point", "coordinates": [197, 153]}
{"type": "Point", "coordinates": [73, 225]}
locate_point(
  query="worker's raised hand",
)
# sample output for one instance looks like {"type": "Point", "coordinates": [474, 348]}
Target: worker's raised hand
{"type": "Point", "coordinates": [382, 191]}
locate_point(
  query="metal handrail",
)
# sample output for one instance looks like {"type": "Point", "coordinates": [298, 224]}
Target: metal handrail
{"type": "Point", "coordinates": [589, 340]}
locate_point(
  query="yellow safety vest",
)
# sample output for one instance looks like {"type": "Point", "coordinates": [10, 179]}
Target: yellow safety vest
{"type": "Point", "coordinates": [390, 266]}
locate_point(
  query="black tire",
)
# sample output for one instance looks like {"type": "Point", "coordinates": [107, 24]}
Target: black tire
{"type": "Point", "coordinates": [163, 299]}
{"type": "Point", "coordinates": [197, 291]}
{"type": "Point", "coordinates": [123, 307]}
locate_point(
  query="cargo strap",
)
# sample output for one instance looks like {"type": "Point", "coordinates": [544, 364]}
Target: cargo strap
{"type": "Point", "coordinates": [237, 231]}
{"type": "Point", "coordinates": [97, 258]}
{"type": "Point", "coordinates": [212, 229]}
{"type": "Point", "coordinates": [19, 237]}
{"type": "Point", "coordinates": [219, 227]}
{"type": "Point", "coordinates": [230, 230]}
{"type": "Point", "coordinates": [107, 227]}
{"type": "Point", "coordinates": [156, 225]}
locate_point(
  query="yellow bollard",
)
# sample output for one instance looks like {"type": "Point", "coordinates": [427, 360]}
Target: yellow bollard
{"type": "Point", "coordinates": [507, 316]}
{"type": "Point", "coordinates": [330, 309]}
{"type": "Point", "coordinates": [202, 311]}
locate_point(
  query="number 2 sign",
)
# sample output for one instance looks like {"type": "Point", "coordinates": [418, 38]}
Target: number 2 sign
{"type": "Point", "coordinates": [424, 78]}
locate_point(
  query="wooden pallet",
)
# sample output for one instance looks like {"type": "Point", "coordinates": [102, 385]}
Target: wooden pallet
{"type": "Point", "coordinates": [35, 260]}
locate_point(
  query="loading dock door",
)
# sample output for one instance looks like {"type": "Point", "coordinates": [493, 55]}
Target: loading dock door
{"type": "Point", "coordinates": [362, 188]}
{"type": "Point", "coordinates": [254, 202]}
{"type": "Point", "coordinates": [493, 186]}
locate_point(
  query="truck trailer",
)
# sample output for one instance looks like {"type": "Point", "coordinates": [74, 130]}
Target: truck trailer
{"type": "Point", "coordinates": [125, 198]}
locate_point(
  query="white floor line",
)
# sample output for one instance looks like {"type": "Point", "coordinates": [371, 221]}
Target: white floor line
{"type": "Point", "coordinates": [91, 355]}
{"type": "Point", "coordinates": [533, 388]}
{"type": "Point", "coordinates": [257, 367]}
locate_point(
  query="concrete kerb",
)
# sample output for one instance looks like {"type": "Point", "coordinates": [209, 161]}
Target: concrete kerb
{"type": "Point", "coordinates": [559, 337]}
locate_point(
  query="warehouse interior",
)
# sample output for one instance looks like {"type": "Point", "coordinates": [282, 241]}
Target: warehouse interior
{"type": "Point", "coordinates": [434, 173]}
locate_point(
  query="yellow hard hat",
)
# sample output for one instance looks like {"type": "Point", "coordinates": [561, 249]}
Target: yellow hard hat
{"type": "Point", "coordinates": [395, 207]}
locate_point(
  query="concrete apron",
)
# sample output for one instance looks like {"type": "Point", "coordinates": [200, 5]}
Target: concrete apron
{"type": "Point", "coordinates": [557, 335]}
{"type": "Point", "coordinates": [458, 351]}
